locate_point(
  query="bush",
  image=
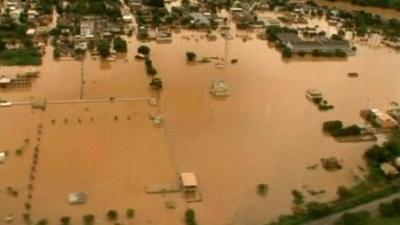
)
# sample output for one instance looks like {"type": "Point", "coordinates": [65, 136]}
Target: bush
{"type": "Point", "coordinates": [88, 219]}
{"type": "Point", "coordinates": [112, 215]}
{"type": "Point", "coordinates": [396, 205]}
{"type": "Point", "coordinates": [65, 220]}
{"type": "Point", "coordinates": [156, 83]}
{"type": "Point", "coordinates": [143, 49]}
{"type": "Point", "coordinates": [130, 213]}
{"type": "Point", "coordinates": [191, 56]}
{"type": "Point", "coordinates": [316, 53]}
{"type": "Point", "coordinates": [20, 57]}
{"type": "Point", "coordinates": [262, 189]}
{"type": "Point", "coordinates": [190, 217]}
{"type": "Point", "coordinates": [340, 53]}
{"type": "Point", "coordinates": [103, 47]}
{"type": "Point", "coordinates": [357, 218]}
{"type": "Point", "coordinates": [387, 210]}
{"type": "Point", "coordinates": [151, 71]}
{"type": "Point", "coordinates": [287, 52]}
{"type": "Point", "coordinates": [298, 197]}
{"type": "Point", "coordinates": [302, 53]}
{"type": "Point", "coordinates": [42, 222]}
{"type": "Point", "coordinates": [332, 126]}
{"type": "Point", "coordinates": [120, 45]}
{"type": "Point", "coordinates": [56, 53]}
{"type": "Point", "coordinates": [348, 131]}
{"type": "Point", "coordinates": [317, 210]}
{"type": "Point", "coordinates": [344, 192]}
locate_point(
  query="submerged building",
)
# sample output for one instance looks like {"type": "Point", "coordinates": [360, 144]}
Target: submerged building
{"type": "Point", "coordinates": [323, 44]}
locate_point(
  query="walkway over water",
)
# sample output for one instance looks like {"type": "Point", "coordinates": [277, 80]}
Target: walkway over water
{"type": "Point", "coordinates": [89, 100]}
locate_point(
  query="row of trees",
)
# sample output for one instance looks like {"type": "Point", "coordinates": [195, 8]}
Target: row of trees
{"type": "Point", "coordinates": [336, 128]}
{"type": "Point", "coordinates": [156, 82]}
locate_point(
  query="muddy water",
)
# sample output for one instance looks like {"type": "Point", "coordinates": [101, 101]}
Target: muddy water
{"type": "Point", "coordinates": [265, 132]}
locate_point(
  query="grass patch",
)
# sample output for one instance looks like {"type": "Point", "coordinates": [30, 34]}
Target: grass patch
{"type": "Point", "coordinates": [20, 57]}
{"type": "Point", "coordinates": [384, 221]}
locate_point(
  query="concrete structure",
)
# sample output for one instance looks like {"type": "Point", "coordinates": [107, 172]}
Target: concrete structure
{"type": "Point", "coordinates": [188, 180]}
{"type": "Point", "coordinates": [3, 156]}
{"type": "Point", "coordinates": [77, 198]}
{"type": "Point", "coordinates": [87, 28]}
{"type": "Point", "coordinates": [199, 20]}
{"type": "Point", "coordinates": [296, 44]}
{"type": "Point", "coordinates": [220, 88]}
{"type": "Point", "coordinates": [382, 119]}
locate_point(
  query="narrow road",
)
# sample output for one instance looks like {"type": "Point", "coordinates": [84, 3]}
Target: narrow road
{"type": "Point", "coordinates": [371, 207]}
{"type": "Point", "coordinates": [90, 100]}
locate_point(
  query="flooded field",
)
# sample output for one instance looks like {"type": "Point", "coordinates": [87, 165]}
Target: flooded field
{"type": "Point", "coordinates": [265, 132]}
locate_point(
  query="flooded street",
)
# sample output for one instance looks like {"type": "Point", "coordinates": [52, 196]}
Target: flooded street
{"type": "Point", "coordinates": [265, 132]}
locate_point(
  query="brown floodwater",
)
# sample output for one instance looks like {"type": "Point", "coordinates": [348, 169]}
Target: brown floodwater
{"type": "Point", "coordinates": [265, 132]}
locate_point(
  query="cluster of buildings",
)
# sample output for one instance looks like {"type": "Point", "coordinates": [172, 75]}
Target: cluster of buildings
{"type": "Point", "coordinates": [26, 13]}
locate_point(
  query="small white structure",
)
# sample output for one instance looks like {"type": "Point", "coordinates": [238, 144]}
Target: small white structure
{"type": "Point", "coordinates": [4, 103]}
{"type": "Point", "coordinates": [383, 119]}
{"type": "Point", "coordinates": [77, 198]}
{"type": "Point", "coordinates": [153, 101]}
{"type": "Point", "coordinates": [189, 181]}
{"type": "Point", "coordinates": [157, 119]}
{"type": "Point", "coordinates": [4, 80]}
{"type": "Point", "coordinates": [313, 94]}
{"type": "Point", "coordinates": [220, 88]}
{"type": "Point", "coordinates": [389, 170]}
{"type": "Point", "coordinates": [30, 32]}
{"type": "Point", "coordinates": [189, 187]}
{"type": "Point", "coordinates": [3, 156]}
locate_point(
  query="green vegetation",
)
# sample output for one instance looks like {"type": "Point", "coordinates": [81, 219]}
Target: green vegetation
{"type": "Point", "coordinates": [120, 44]}
{"type": "Point", "coordinates": [130, 213]}
{"type": "Point", "coordinates": [374, 186]}
{"type": "Point", "coordinates": [190, 217]}
{"type": "Point", "coordinates": [65, 220]}
{"type": "Point", "coordinates": [394, 4]}
{"type": "Point", "coordinates": [143, 49]}
{"type": "Point", "coordinates": [363, 21]}
{"type": "Point", "coordinates": [88, 219]}
{"type": "Point", "coordinates": [357, 218]}
{"type": "Point", "coordinates": [154, 3]}
{"type": "Point", "coordinates": [150, 70]}
{"type": "Point", "coordinates": [42, 222]}
{"type": "Point", "coordinates": [298, 197]}
{"type": "Point", "coordinates": [103, 47]}
{"type": "Point", "coordinates": [191, 56]}
{"type": "Point", "coordinates": [262, 189]}
{"type": "Point", "coordinates": [112, 215]}
{"type": "Point", "coordinates": [156, 83]}
{"type": "Point", "coordinates": [20, 57]}
{"type": "Point", "coordinates": [287, 52]}
{"type": "Point", "coordinates": [384, 221]}
{"type": "Point", "coordinates": [110, 8]}
{"type": "Point", "coordinates": [336, 129]}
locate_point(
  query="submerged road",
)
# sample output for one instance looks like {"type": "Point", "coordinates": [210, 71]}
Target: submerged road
{"type": "Point", "coordinates": [371, 207]}
{"type": "Point", "coordinates": [90, 100]}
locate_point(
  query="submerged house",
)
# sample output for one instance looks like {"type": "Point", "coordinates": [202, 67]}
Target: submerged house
{"type": "Point", "coordinates": [199, 20]}
{"type": "Point", "coordinates": [381, 119]}
{"type": "Point", "coordinates": [296, 44]}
